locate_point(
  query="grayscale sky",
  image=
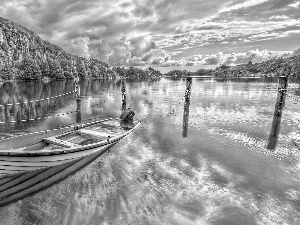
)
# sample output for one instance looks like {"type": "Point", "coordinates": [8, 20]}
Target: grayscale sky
{"type": "Point", "coordinates": [164, 32]}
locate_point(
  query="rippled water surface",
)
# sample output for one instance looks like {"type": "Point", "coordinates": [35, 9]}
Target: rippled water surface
{"type": "Point", "coordinates": [220, 174]}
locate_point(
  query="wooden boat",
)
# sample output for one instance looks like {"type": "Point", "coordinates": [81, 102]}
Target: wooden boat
{"type": "Point", "coordinates": [16, 187]}
{"type": "Point", "coordinates": [60, 146]}
{"type": "Point", "coordinates": [53, 155]}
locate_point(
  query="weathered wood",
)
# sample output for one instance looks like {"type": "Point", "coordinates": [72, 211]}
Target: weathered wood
{"type": "Point", "coordinates": [32, 164]}
{"type": "Point", "coordinates": [280, 102]}
{"type": "Point", "coordinates": [77, 87]}
{"type": "Point", "coordinates": [29, 183]}
{"type": "Point", "coordinates": [59, 142]}
{"type": "Point", "coordinates": [15, 168]}
{"type": "Point", "coordinates": [187, 97]}
{"type": "Point", "coordinates": [78, 114]}
{"type": "Point", "coordinates": [26, 140]}
{"type": "Point", "coordinates": [123, 91]}
{"type": "Point", "coordinates": [15, 180]}
{"type": "Point", "coordinates": [16, 161]}
{"type": "Point", "coordinates": [93, 133]}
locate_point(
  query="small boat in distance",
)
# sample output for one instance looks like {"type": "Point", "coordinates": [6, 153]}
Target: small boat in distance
{"type": "Point", "coordinates": [39, 151]}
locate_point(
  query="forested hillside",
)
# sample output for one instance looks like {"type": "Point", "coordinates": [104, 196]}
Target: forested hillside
{"type": "Point", "coordinates": [270, 68]}
{"type": "Point", "coordinates": [25, 56]}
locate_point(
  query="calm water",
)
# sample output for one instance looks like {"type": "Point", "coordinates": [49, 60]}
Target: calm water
{"type": "Point", "coordinates": [220, 174]}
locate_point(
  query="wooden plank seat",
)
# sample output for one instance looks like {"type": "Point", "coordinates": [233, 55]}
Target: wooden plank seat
{"type": "Point", "coordinates": [94, 133]}
{"type": "Point", "coordinates": [59, 142]}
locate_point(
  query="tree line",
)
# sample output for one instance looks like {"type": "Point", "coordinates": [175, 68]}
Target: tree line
{"type": "Point", "coordinates": [25, 56]}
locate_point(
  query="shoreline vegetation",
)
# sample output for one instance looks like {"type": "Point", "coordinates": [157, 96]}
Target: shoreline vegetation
{"type": "Point", "coordinates": [270, 68]}
{"type": "Point", "coordinates": [25, 56]}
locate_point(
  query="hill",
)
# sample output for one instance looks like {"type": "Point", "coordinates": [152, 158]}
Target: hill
{"type": "Point", "coordinates": [25, 56]}
{"type": "Point", "coordinates": [270, 68]}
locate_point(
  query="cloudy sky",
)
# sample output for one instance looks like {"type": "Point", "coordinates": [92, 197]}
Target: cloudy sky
{"type": "Point", "coordinates": [164, 32]}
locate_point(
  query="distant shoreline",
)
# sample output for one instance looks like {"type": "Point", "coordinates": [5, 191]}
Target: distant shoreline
{"type": "Point", "coordinates": [215, 77]}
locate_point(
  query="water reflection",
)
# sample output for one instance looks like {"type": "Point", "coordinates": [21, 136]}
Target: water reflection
{"type": "Point", "coordinates": [18, 102]}
{"type": "Point", "coordinates": [187, 97]}
{"type": "Point", "coordinates": [20, 108]}
{"type": "Point", "coordinates": [157, 177]}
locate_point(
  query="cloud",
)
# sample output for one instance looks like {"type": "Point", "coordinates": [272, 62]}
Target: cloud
{"type": "Point", "coordinates": [121, 52]}
{"type": "Point", "coordinates": [99, 49]}
{"type": "Point", "coordinates": [260, 10]}
{"type": "Point", "coordinates": [213, 59]}
{"type": "Point", "coordinates": [143, 9]}
{"type": "Point", "coordinates": [295, 4]}
{"type": "Point", "coordinates": [194, 60]}
{"type": "Point", "coordinates": [245, 4]}
{"type": "Point", "coordinates": [163, 58]}
{"type": "Point", "coordinates": [160, 32]}
{"type": "Point", "coordinates": [240, 58]}
{"type": "Point", "coordinates": [128, 52]}
{"type": "Point", "coordinates": [283, 17]}
{"type": "Point", "coordinates": [219, 58]}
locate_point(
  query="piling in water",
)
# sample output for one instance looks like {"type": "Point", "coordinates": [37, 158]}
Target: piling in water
{"type": "Point", "coordinates": [78, 114]}
{"type": "Point", "coordinates": [186, 108]}
{"type": "Point", "coordinates": [123, 92]}
{"type": "Point", "coordinates": [78, 100]}
{"type": "Point", "coordinates": [282, 88]}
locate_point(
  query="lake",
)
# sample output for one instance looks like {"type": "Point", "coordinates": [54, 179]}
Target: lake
{"type": "Point", "coordinates": [202, 161]}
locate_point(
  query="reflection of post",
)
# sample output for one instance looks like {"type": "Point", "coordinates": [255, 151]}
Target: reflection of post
{"type": "Point", "coordinates": [123, 91]}
{"type": "Point", "coordinates": [7, 117]}
{"type": "Point", "coordinates": [282, 88]}
{"type": "Point", "coordinates": [187, 97]}
{"type": "Point", "coordinates": [78, 114]}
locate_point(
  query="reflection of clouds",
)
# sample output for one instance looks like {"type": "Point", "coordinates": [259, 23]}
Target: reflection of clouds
{"type": "Point", "coordinates": [156, 177]}
{"type": "Point", "coordinates": [144, 110]}
{"type": "Point", "coordinates": [111, 97]}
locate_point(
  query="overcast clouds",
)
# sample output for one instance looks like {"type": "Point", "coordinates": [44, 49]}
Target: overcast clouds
{"type": "Point", "coordinates": [164, 32]}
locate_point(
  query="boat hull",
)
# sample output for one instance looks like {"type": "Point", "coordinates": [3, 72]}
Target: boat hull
{"type": "Point", "coordinates": [19, 161]}
{"type": "Point", "coordinates": [13, 188]}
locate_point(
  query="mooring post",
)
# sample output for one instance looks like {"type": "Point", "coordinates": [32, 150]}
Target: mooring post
{"type": "Point", "coordinates": [123, 91]}
{"type": "Point", "coordinates": [282, 88]}
{"type": "Point", "coordinates": [186, 110]}
{"type": "Point", "coordinates": [77, 88]}
{"type": "Point", "coordinates": [78, 114]}
{"type": "Point", "coordinates": [78, 100]}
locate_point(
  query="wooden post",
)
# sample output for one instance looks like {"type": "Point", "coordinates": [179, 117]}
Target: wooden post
{"type": "Point", "coordinates": [78, 100]}
{"type": "Point", "coordinates": [77, 88]}
{"type": "Point", "coordinates": [78, 114]}
{"type": "Point", "coordinates": [186, 110]}
{"type": "Point", "coordinates": [123, 91]}
{"type": "Point", "coordinates": [282, 88]}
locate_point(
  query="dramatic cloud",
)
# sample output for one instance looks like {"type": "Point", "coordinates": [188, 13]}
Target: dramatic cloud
{"type": "Point", "coordinates": [241, 58]}
{"type": "Point", "coordinates": [163, 32]}
{"type": "Point", "coordinates": [135, 52]}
